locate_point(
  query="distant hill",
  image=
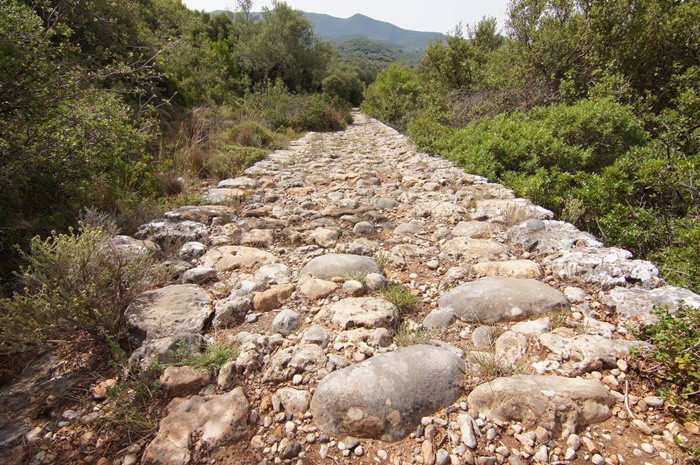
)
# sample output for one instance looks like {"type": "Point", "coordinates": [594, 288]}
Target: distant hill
{"type": "Point", "coordinates": [339, 31]}
{"type": "Point", "coordinates": [376, 52]}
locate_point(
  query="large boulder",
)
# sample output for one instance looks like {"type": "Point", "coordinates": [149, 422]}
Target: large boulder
{"type": "Point", "coordinates": [332, 265]}
{"type": "Point", "coordinates": [495, 299]}
{"type": "Point", "coordinates": [215, 421]}
{"type": "Point", "coordinates": [182, 308]}
{"type": "Point", "coordinates": [386, 396]}
{"type": "Point", "coordinates": [560, 405]}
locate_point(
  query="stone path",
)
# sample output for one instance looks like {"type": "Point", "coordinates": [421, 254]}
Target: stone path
{"type": "Point", "coordinates": [515, 352]}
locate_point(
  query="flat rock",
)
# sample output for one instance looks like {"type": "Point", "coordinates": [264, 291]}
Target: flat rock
{"type": "Point", "coordinates": [172, 231]}
{"type": "Point", "coordinates": [549, 237]}
{"type": "Point", "coordinates": [409, 229]}
{"type": "Point", "coordinates": [606, 267]}
{"type": "Point", "coordinates": [200, 213]}
{"type": "Point", "coordinates": [314, 289]}
{"type": "Point", "coordinates": [234, 257]}
{"type": "Point", "coordinates": [273, 298]}
{"type": "Point", "coordinates": [522, 269]}
{"type": "Point", "coordinates": [638, 303]}
{"type": "Point", "coordinates": [585, 353]}
{"type": "Point", "coordinates": [182, 308]}
{"type": "Point", "coordinates": [163, 350]}
{"type": "Point", "coordinates": [241, 182]}
{"type": "Point", "coordinates": [231, 311]}
{"type": "Point", "coordinates": [258, 238]}
{"type": "Point", "coordinates": [439, 319]}
{"type": "Point", "coordinates": [224, 196]}
{"type": "Point", "coordinates": [294, 401]}
{"type": "Point", "coordinates": [367, 312]}
{"type": "Point", "coordinates": [216, 421]}
{"type": "Point", "coordinates": [325, 237]}
{"type": "Point", "coordinates": [386, 396]}
{"type": "Point", "coordinates": [496, 299]}
{"type": "Point", "coordinates": [300, 359]}
{"type": "Point", "coordinates": [473, 229]}
{"type": "Point", "coordinates": [331, 265]}
{"type": "Point", "coordinates": [473, 250]}
{"type": "Point", "coordinates": [557, 404]}
{"type": "Point", "coordinates": [177, 381]}
{"type": "Point", "coordinates": [510, 348]}
{"type": "Point", "coordinates": [286, 322]}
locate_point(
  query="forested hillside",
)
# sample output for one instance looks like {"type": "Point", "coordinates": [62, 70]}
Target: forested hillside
{"type": "Point", "coordinates": [120, 106]}
{"type": "Point", "coordinates": [589, 108]}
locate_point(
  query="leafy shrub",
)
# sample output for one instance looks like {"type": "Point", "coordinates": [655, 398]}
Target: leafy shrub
{"type": "Point", "coordinates": [393, 97]}
{"type": "Point", "coordinates": [252, 134]}
{"type": "Point", "coordinates": [676, 340]}
{"type": "Point", "coordinates": [277, 108]}
{"type": "Point", "coordinates": [72, 282]}
{"type": "Point", "coordinates": [232, 160]}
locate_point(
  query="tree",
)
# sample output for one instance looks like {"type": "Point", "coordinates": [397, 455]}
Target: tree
{"type": "Point", "coordinates": [283, 45]}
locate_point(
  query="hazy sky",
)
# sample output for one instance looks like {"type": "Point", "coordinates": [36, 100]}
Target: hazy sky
{"type": "Point", "coordinates": [417, 15]}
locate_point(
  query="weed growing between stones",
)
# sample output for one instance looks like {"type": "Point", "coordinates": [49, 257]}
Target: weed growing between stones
{"type": "Point", "coordinates": [486, 367]}
{"type": "Point", "coordinates": [130, 404]}
{"type": "Point", "coordinates": [215, 355]}
{"type": "Point", "coordinates": [400, 296]}
{"type": "Point", "coordinates": [405, 336]}
{"type": "Point", "coordinates": [382, 259]}
{"type": "Point", "coordinates": [359, 276]}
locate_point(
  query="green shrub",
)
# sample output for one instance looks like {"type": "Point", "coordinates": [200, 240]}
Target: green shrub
{"type": "Point", "coordinates": [277, 108]}
{"type": "Point", "coordinates": [72, 282]}
{"type": "Point", "coordinates": [393, 97]}
{"type": "Point", "coordinates": [676, 340]}
{"type": "Point", "coordinates": [231, 160]}
{"type": "Point", "coordinates": [252, 134]}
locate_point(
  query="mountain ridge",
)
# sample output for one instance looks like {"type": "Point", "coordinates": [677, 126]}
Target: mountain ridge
{"type": "Point", "coordinates": [359, 26]}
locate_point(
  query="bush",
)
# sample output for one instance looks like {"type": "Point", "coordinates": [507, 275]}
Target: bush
{"type": "Point", "coordinates": [231, 160]}
{"type": "Point", "coordinates": [75, 282]}
{"type": "Point", "coordinates": [676, 340]}
{"type": "Point", "coordinates": [393, 97]}
{"type": "Point", "coordinates": [252, 134]}
{"type": "Point", "coordinates": [277, 108]}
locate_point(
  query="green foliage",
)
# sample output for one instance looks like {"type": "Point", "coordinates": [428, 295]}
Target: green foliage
{"type": "Point", "coordinates": [282, 45]}
{"type": "Point", "coordinates": [676, 340]}
{"type": "Point", "coordinates": [277, 108]}
{"type": "Point", "coordinates": [252, 134]}
{"type": "Point", "coordinates": [232, 160]}
{"type": "Point", "coordinates": [72, 282]}
{"type": "Point", "coordinates": [393, 97]}
{"type": "Point", "coordinates": [400, 296]}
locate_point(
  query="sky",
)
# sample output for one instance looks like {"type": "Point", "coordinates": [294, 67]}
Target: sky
{"type": "Point", "coordinates": [417, 15]}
